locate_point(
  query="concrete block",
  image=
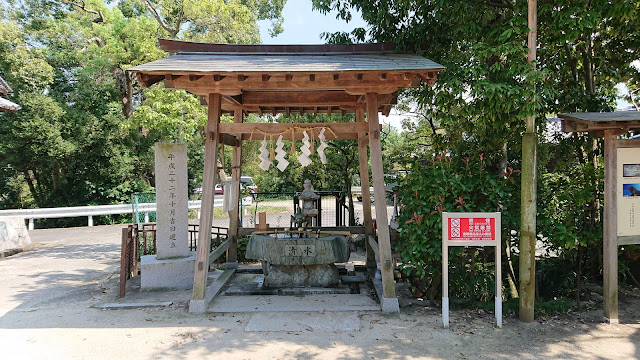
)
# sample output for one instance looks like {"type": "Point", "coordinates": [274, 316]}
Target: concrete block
{"type": "Point", "coordinates": [389, 305]}
{"type": "Point", "coordinates": [13, 235]}
{"type": "Point", "coordinates": [197, 306]}
{"type": "Point", "coordinates": [165, 274]}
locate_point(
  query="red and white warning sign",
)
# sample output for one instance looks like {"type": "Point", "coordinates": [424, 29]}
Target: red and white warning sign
{"type": "Point", "coordinates": [471, 229]}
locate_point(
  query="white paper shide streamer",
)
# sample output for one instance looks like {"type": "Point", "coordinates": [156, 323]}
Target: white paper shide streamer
{"type": "Point", "coordinates": [264, 156]}
{"type": "Point", "coordinates": [323, 145]}
{"type": "Point", "coordinates": [305, 151]}
{"type": "Point", "coordinates": [280, 154]}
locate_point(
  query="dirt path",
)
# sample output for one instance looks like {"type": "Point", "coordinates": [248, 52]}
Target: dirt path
{"type": "Point", "coordinates": [46, 312]}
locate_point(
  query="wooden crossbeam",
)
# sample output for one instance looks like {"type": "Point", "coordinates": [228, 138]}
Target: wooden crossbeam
{"type": "Point", "coordinates": [569, 125]}
{"type": "Point", "coordinates": [356, 84]}
{"type": "Point", "coordinates": [343, 131]}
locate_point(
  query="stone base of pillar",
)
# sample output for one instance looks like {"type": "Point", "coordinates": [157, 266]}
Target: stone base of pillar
{"type": "Point", "coordinates": [174, 274]}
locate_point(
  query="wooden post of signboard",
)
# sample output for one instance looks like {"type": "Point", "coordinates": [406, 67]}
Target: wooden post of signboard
{"type": "Point", "coordinates": [363, 159]}
{"type": "Point", "coordinates": [389, 301]}
{"type": "Point", "coordinates": [491, 237]}
{"type": "Point", "coordinates": [610, 241]}
{"type": "Point", "coordinates": [197, 303]}
{"type": "Point", "coordinates": [236, 173]}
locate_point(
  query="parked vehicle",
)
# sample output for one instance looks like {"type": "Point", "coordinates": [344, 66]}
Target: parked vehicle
{"type": "Point", "coordinates": [246, 183]}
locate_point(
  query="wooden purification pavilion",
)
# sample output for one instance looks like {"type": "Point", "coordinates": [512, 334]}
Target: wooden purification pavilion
{"type": "Point", "coordinates": [285, 79]}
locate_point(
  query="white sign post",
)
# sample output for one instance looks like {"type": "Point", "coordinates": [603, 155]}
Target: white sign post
{"type": "Point", "coordinates": [470, 229]}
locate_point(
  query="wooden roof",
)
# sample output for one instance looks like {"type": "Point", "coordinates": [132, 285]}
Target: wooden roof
{"type": "Point", "coordinates": [8, 105]}
{"type": "Point", "coordinates": [5, 89]}
{"type": "Point", "coordinates": [621, 121]}
{"type": "Point", "coordinates": [289, 78]}
{"type": "Point", "coordinates": [5, 104]}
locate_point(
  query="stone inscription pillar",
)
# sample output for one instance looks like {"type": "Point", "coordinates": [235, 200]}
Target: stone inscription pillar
{"type": "Point", "coordinates": [172, 230]}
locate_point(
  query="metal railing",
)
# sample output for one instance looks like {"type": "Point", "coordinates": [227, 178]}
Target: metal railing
{"type": "Point", "coordinates": [88, 211]}
{"type": "Point", "coordinates": [140, 239]}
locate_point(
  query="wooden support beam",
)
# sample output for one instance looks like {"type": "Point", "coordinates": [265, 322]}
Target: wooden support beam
{"type": "Point", "coordinates": [228, 139]}
{"type": "Point", "coordinates": [230, 85]}
{"type": "Point", "coordinates": [363, 161]}
{"type": "Point", "coordinates": [217, 252]}
{"type": "Point", "coordinates": [206, 218]}
{"type": "Point", "coordinates": [386, 263]}
{"type": "Point", "coordinates": [371, 241]}
{"type": "Point", "coordinates": [341, 130]}
{"type": "Point", "coordinates": [236, 173]}
{"type": "Point", "coordinates": [296, 99]}
{"type": "Point", "coordinates": [610, 242]}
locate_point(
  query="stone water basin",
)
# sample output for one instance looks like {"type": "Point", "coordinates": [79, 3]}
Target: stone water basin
{"type": "Point", "coordinates": [299, 260]}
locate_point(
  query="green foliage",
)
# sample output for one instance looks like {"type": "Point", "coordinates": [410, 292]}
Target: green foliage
{"type": "Point", "coordinates": [566, 215]}
{"type": "Point", "coordinates": [454, 184]}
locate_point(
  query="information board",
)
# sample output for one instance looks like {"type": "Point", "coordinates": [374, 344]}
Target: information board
{"type": "Point", "coordinates": [470, 229]}
{"type": "Point", "coordinates": [628, 191]}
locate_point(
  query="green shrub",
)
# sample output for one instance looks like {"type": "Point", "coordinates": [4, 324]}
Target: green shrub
{"type": "Point", "coordinates": [452, 184]}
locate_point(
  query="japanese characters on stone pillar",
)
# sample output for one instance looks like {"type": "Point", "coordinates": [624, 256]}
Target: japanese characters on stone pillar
{"type": "Point", "coordinates": [172, 231]}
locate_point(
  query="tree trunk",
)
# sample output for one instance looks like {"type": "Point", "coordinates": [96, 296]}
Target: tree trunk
{"type": "Point", "coordinates": [32, 187]}
{"type": "Point", "coordinates": [511, 277]}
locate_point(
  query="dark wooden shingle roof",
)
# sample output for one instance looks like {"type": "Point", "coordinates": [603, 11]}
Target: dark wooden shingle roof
{"type": "Point", "coordinates": [289, 78]}
{"type": "Point", "coordinates": [596, 121]}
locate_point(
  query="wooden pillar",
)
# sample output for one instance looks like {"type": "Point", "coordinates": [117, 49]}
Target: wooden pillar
{"type": "Point", "coordinates": [206, 219]}
{"type": "Point", "coordinates": [610, 242]}
{"type": "Point", "coordinates": [528, 192]}
{"type": "Point", "coordinates": [236, 172]}
{"type": "Point", "coordinates": [363, 158]}
{"type": "Point", "coordinates": [389, 301]}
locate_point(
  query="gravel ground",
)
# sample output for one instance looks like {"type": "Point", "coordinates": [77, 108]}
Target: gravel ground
{"type": "Point", "coordinates": [48, 294]}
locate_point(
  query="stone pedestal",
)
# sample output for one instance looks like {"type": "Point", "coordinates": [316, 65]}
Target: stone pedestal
{"type": "Point", "coordinates": [167, 274]}
{"type": "Point", "coordinates": [299, 261]}
{"type": "Point", "coordinates": [323, 275]}
{"type": "Point", "coordinates": [172, 224]}
{"type": "Point", "coordinates": [13, 236]}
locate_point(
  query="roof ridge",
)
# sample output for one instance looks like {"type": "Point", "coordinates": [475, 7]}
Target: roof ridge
{"type": "Point", "coordinates": [176, 46]}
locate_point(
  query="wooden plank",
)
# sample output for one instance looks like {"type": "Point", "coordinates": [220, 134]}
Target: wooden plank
{"type": "Point", "coordinates": [214, 289]}
{"type": "Point", "coordinates": [262, 222]}
{"type": "Point", "coordinates": [208, 185]}
{"type": "Point", "coordinates": [231, 86]}
{"type": "Point", "coordinates": [628, 143]}
{"type": "Point", "coordinates": [217, 252]}
{"type": "Point", "coordinates": [236, 173]}
{"type": "Point", "coordinates": [388, 283]}
{"type": "Point", "coordinates": [610, 243]}
{"type": "Point", "coordinates": [294, 99]}
{"type": "Point", "coordinates": [228, 139]}
{"type": "Point", "coordinates": [123, 262]}
{"type": "Point", "coordinates": [373, 244]}
{"type": "Point", "coordinates": [363, 162]}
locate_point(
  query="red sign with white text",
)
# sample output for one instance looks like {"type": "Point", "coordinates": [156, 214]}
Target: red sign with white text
{"type": "Point", "coordinates": [472, 229]}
